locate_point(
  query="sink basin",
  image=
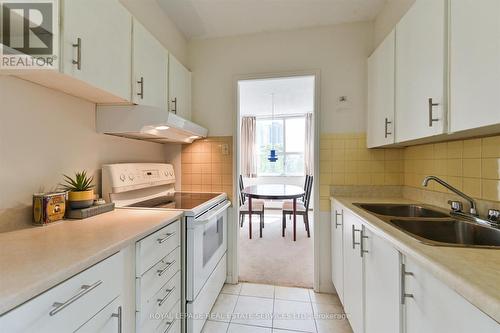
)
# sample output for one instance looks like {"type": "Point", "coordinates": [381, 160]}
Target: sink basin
{"type": "Point", "coordinates": [401, 210]}
{"type": "Point", "coordinates": [449, 232]}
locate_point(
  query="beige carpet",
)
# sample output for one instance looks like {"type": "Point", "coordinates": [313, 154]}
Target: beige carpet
{"type": "Point", "coordinates": [273, 259]}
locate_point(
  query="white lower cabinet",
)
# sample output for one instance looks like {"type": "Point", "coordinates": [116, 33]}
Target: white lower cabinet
{"type": "Point", "coordinates": [432, 307]}
{"type": "Point", "coordinates": [382, 284]}
{"type": "Point", "coordinates": [353, 271]}
{"type": "Point", "coordinates": [108, 320]}
{"type": "Point", "coordinates": [337, 250]}
{"type": "Point", "coordinates": [71, 304]}
{"type": "Point", "coordinates": [385, 291]}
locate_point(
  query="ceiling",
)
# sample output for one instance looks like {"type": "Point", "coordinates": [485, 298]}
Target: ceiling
{"type": "Point", "coordinates": [218, 18]}
{"type": "Point", "coordinates": [292, 95]}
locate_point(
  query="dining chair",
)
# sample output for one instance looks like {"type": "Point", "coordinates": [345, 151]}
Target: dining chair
{"type": "Point", "coordinates": [257, 206]}
{"type": "Point", "coordinates": [302, 208]}
{"type": "Point", "coordinates": [306, 183]}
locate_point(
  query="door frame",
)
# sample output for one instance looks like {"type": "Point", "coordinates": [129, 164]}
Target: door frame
{"type": "Point", "coordinates": [233, 230]}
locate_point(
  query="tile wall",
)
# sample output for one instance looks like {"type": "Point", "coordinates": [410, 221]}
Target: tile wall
{"type": "Point", "coordinates": [472, 166]}
{"type": "Point", "coordinates": [207, 166]}
{"type": "Point", "coordinates": [345, 160]}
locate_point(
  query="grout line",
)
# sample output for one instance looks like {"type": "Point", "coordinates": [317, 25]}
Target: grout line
{"type": "Point", "coordinates": [272, 313]}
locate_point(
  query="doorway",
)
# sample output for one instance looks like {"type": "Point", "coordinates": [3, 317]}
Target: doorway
{"type": "Point", "coordinates": [281, 112]}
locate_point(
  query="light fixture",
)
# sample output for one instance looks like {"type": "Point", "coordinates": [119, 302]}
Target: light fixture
{"type": "Point", "coordinates": [272, 152]}
{"type": "Point", "coordinates": [162, 127]}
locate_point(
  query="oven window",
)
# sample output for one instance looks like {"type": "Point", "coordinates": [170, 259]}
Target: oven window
{"type": "Point", "coordinates": [212, 239]}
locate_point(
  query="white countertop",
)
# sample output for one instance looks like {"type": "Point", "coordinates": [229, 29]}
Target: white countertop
{"type": "Point", "coordinates": [472, 272]}
{"type": "Point", "coordinates": [35, 259]}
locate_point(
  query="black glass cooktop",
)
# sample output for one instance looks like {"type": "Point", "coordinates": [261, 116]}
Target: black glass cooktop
{"type": "Point", "coordinates": [179, 200]}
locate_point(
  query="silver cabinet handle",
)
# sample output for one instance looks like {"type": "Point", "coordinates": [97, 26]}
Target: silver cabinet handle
{"type": "Point", "coordinates": [169, 326]}
{"type": "Point", "coordinates": [354, 243]}
{"type": "Point", "coordinates": [362, 250]}
{"type": "Point", "coordinates": [162, 300]}
{"type": "Point", "coordinates": [78, 61]}
{"type": "Point", "coordinates": [404, 273]}
{"type": "Point", "coordinates": [337, 218]}
{"type": "Point", "coordinates": [174, 102]}
{"type": "Point", "coordinates": [118, 315]}
{"type": "Point", "coordinates": [85, 289]}
{"type": "Point", "coordinates": [431, 106]}
{"type": "Point", "coordinates": [161, 271]}
{"type": "Point", "coordinates": [141, 90]}
{"type": "Point", "coordinates": [387, 123]}
{"type": "Point", "coordinates": [167, 236]}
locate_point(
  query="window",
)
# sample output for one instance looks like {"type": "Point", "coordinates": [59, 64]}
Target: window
{"type": "Point", "coordinates": [287, 135]}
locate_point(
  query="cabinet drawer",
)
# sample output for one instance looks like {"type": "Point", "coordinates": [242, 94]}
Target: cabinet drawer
{"type": "Point", "coordinates": [160, 302]}
{"type": "Point", "coordinates": [151, 281]}
{"type": "Point", "coordinates": [68, 305]}
{"type": "Point", "coordinates": [171, 323]}
{"type": "Point", "coordinates": [107, 320]}
{"type": "Point", "coordinates": [151, 249]}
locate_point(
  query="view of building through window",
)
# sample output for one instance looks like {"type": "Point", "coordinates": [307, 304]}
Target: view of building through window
{"type": "Point", "coordinates": [287, 136]}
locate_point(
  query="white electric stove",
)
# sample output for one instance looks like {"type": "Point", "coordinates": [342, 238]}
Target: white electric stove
{"type": "Point", "coordinates": [152, 186]}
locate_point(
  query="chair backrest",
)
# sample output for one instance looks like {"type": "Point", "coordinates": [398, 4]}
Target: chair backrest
{"type": "Point", "coordinates": [307, 198]}
{"type": "Point", "coordinates": [306, 185]}
{"type": "Point", "coordinates": [242, 197]}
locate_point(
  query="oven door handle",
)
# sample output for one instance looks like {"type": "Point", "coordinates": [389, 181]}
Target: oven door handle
{"type": "Point", "coordinates": [217, 212]}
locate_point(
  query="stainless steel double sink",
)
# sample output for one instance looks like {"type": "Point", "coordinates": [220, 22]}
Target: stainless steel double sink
{"type": "Point", "coordinates": [430, 226]}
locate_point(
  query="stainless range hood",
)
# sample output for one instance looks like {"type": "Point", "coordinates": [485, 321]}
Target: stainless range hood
{"type": "Point", "coordinates": [146, 123]}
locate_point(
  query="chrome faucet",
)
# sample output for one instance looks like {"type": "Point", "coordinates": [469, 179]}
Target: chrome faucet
{"type": "Point", "coordinates": [472, 211]}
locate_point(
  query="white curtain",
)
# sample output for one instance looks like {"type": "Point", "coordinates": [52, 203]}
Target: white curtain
{"type": "Point", "coordinates": [309, 145]}
{"type": "Point", "coordinates": [248, 147]}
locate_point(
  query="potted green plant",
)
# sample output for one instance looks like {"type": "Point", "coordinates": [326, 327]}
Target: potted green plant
{"type": "Point", "coordinates": [80, 190]}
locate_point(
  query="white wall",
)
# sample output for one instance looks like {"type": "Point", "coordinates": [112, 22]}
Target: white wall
{"type": "Point", "coordinates": [43, 134]}
{"type": "Point", "coordinates": [339, 52]}
{"type": "Point", "coordinates": [152, 16]}
{"type": "Point", "coordinates": [388, 18]}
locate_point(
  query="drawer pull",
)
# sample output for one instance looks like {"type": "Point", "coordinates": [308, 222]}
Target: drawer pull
{"type": "Point", "coordinates": [164, 238]}
{"type": "Point", "coordinates": [85, 289]}
{"type": "Point", "coordinates": [169, 326]}
{"type": "Point", "coordinates": [119, 316]}
{"type": "Point", "coordinates": [337, 224]}
{"type": "Point", "coordinates": [162, 300]}
{"type": "Point", "coordinates": [161, 271]}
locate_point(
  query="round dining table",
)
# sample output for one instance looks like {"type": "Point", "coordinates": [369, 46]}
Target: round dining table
{"type": "Point", "coordinates": [273, 192]}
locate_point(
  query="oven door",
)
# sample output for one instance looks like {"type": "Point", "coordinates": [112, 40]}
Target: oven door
{"type": "Point", "coordinates": [206, 245]}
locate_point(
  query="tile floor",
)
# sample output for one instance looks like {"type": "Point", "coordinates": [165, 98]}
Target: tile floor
{"type": "Point", "coordinates": [261, 308]}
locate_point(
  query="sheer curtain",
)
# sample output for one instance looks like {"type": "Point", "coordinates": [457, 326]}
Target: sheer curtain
{"type": "Point", "coordinates": [309, 145]}
{"type": "Point", "coordinates": [248, 147]}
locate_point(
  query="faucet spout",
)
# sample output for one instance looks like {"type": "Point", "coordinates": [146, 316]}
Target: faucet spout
{"type": "Point", "coordinates": [472, 211]}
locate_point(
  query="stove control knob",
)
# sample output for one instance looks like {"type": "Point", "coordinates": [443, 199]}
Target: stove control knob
{"type": "Point", "coordinates": [170, 173]}
{"type": "Point", "coordinates": [122, 177]}
{"type": "Point", "coordinates": [131, 177]}
{"type": "Point", "coordinates": [165, 173]}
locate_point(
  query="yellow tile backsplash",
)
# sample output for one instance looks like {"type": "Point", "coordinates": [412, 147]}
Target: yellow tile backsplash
{"type": "Point", "coordinates": [205, 167]}
{"type": "Point", "coordinates": [472, 165]}
{"type": "Point", "coordinates": [345, 160]}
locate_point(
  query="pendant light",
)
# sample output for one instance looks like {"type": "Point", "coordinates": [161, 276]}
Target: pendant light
{"type": "Point", "coordinates": [272, 153]}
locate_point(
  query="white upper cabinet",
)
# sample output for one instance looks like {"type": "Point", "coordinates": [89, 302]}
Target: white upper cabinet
{"type": "Point", "coordinates": [381, 94]}
{"type": "Point", "coordinates": [474, 64]}
{"type": "Point", "coordinates": [179, 88]}
{"type": "Point", "coordinates": [96, 45]}
{"type": "Point", "coordinates": [420, 71]}
{"type": "Point", "coordinates": [150, 67]}
{"type": "Point", "coordinates": [382, 288]}
{"type": "Point", "coordinates": [337, 250]}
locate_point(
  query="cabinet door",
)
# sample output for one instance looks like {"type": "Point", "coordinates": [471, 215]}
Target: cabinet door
{"type": "Point", "coordinates": [474, 64]}
{"type": "Point", "coordinates": [179, 85]}
{"type": "Point", "coordinates": [337, 249]}
{"type": "Point", "coordinates": [150, 66]}
{"type": "Point", "coordinates": [353, 271]}
{"type": "Point", "coordinates": [420, 71]}
{"type": "Point", "coordinates": [382, 285]}
{"type": "Point", "coordinates": [380, 126]}
{"type": "Point", "coordinates": [104, 29]}
{"type": "Point", "coordinates": [435, 308]}
{"type": "Point", "coordinates": [108, 320]}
